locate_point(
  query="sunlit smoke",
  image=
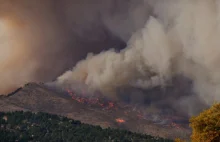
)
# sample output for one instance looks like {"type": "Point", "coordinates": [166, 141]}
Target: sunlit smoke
{"type": "Point", "coordinates": [13, 54]}
{"type": "Point", "coordinates": [42, 39]}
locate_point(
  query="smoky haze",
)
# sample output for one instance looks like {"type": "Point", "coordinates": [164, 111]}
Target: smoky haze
{"type": "Point", "coordinates": [41, 39]}
{"type": "Point", "coordinates": [136, 44]}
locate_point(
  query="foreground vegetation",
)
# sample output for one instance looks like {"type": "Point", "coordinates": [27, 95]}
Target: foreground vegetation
{"type": "Point", "coordinates": [206, 126]}
{"type": "Point", "coordinates": [27, 126]}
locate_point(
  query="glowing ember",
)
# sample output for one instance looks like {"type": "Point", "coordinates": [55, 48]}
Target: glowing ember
{"type": "Point", "coordinates": [109, 105]}
{"type": "Point", "coordinates": [91, 101]}
{"type": "Point", "coordinates": [120, 120]}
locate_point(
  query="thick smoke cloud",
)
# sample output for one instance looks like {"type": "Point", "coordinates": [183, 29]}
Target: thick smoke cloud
{"type": "Point", "coordinates": [40, 40]}
{"type": "Point", "coordinates": [179, 38]}
{"type": "Point", "coordinates": [27, 36]}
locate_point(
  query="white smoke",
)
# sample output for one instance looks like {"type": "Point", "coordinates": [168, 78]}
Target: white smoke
{"type": "Point", "coordinates": [110, 70]}
{"type": "Point", "coordinates": [182, 38]}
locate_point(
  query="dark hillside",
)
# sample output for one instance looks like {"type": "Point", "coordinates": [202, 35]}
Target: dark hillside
{"type": "Point", "coordinates": [27, 126]}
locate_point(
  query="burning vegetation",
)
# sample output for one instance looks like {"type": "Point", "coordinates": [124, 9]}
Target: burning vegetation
{"type": "Point", "coordinates": [120, 120]}
{"type": "Point", "coordinates": [105, 104]}
{"type": "Point", "coordinates": [127, 110]}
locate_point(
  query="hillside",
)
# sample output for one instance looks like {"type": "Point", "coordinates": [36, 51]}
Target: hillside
{"type": "Point", "coordinates": [39, 98]}
{"type": "Point", "coordinates": [27, 126]}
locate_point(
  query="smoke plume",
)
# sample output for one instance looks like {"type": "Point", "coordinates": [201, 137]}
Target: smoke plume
{"type": "Point", "coordinates": [131, 44]}
{"type": "Point", "coordinates": [39, 40]}
{"type": "Point", "coordinates": [179, 38]}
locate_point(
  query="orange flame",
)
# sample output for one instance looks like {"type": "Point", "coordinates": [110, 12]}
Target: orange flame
{"type": "Point", "coordinates": [82, 99]}
{"type": "Point", "coordinates": [120, 120]}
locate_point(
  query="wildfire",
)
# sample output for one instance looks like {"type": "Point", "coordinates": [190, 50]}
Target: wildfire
{"type": "Point", "coordinates": [109, 105]}
{"type": "Point", "coordinates": [91, 101]}
{"type": "Point", "coordinates": [120, 120]}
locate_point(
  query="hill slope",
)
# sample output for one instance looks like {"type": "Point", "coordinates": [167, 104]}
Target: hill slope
{"type": "Point", "coordinates": [27, 126]}
{"type": "Point", "coordinates": [37, 97]}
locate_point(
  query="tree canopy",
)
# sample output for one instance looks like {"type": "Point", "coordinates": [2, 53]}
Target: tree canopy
{"type": "Point", "coordinates": [27, 126]}
{"type": "Point", "coordinates": [206, 126]}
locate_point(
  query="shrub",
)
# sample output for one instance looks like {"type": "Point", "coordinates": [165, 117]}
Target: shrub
{"type": "Point", "coordinates": [206, 126]}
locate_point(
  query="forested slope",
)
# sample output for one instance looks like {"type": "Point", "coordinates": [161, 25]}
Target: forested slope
{"type": "Point", "coordinates": [28, 126]}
